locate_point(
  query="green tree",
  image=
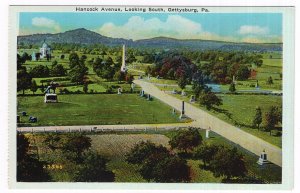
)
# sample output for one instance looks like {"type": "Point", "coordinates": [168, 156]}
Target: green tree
{"type": "Point", "coordinates": [144, 150]}
{"type": "Point", "coordinates": [182, 82]}
{"type": "Point", "coordinates": [85, 87]}
{"type": "Point", "coordinates": [75, 145]}
{"type": "Point", "coordinates": [29, 168]}
{"type": "Point", "coordinates": [23, 80]}
{"type": "Point", "coordinates": [243, 72]}
{"type": "Point", "coordinates": [93, 169]}
{"type": "Point", "coordinates": [228, 162]}
{"type": "Point", "coordinates": [205, 152]}
{"type": "Point", "coordinates": [77, 73]}
{"type": "Point", "coordinates": [272, 117]}
{"type": "Point", "coordinates": [33, 87]}
{"type": "Point", "coordinates": [232, 88]}
{"type": "Point", "coordinates": [171, 169]}
{"type": "Point", "coordinates": [73, 60]}
{"type": "Point", "coordinates": [185, 140]}
{"type": "Point", "coordinates": [270, 80]}
{"type": "Point", "coordinates": [57, 70]}
{"type": "Point", "coordinates": [209, 99]}
{"type": "Point", "coordinates": [119, 76]}
{"type": "Point", "coordinates": [52, 141]}
{"type": "Point", "coordinates": [257, 119]}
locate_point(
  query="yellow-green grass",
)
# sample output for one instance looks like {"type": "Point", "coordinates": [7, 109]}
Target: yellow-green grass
{"type": "Point", "coordinates": [95, 109]}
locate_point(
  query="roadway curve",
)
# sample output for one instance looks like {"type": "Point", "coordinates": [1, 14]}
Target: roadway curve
{"type": "Point", "coordinates": [206, 121]}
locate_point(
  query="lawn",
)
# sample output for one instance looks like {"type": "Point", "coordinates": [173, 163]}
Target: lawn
{"type": "Point", "coordinates": [95, 109]}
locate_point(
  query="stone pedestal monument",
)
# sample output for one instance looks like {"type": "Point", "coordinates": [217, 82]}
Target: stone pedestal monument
{"type": "Point", "coordinates": [182, 115]}
{"type": "Point", "coordinates": [263, 158]}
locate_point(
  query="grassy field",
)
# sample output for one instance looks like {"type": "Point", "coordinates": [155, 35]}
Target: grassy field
{"type": "Point", "coordinates": [115, 146]}
{"type": "Point", "coordinates": [96, 109]}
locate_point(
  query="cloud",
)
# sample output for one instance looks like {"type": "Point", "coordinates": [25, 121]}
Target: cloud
{"type": "Point", "coordinates": [42, 22]}
{"type": "Point", "coordinates": [137, 27]}
{"type": "Point", "coordinates": [253, 29]}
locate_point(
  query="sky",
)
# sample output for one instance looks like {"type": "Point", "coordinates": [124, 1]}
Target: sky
{"type": "Point", "coordinates": [235, 27]}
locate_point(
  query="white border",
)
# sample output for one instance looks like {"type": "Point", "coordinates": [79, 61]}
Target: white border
{"type": "Point", "coordinates": [4, 73]}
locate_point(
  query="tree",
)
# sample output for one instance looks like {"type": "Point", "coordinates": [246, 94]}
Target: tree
{"type": "Point", "coordinates": [243, 72]}
{"type": "Point", "coordinates": [33, 87]}
{"type": "Point", "coordinates": [57, 70]}
{"type": "Point", "coordinates": [228, 162]}
{"type": "Point", "coordinates": [85, 87]}
{"type": "Point", "coordinates": [206, 152]}
{"type": "Point", "coordinates": [23, 80]}
{"type": "Point", "coordinates": [182, 82]}
{"type": "Point", "coordinates": [171, 169]}
{"type": "Point", "coordinates": [232, 87]}
{"type": "Point", "coordinates": [209, 99]}
{"type": "Point", "coordinates": [119, 76]}
{"type": "Point", "coordinates": [77, 73]}
{"type": "Point", "coordinates": [62, 57]}
{"type": "Point", "coordinates": [186, 139]}
{"type": "Point", "coordinates": [270, 80]}
{"type": "Point", "coordinates": [144, 150]}
{"type": "Point", "coordinates": [75, 145]}
{"type": "Point", "coordinates": [158, 164]}
{"type": "Point", "coordinates": [93, 169]}
{"type": "Point", "coordinates": [129, 78]}
{"type": "Point", "coordinates": [29, 168]}
{"type": "Point", "coordinates": [52, 141]}
{"type": "Point", "coordinates": [74, 60]}
{"type": "Point", "coordinates": [272, 117]}
{"type": "Point", "coordinates": [257, 119]}
{"type": "Point", "coordinates": [40, 71]}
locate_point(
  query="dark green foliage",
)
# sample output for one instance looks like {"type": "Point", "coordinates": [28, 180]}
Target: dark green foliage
{"type": "Point", "coordinates": [119, 76]}
{"type": "Point", "coordinates": [52, 141]}
{"type": "Point", "coordinates": [23, 80]}
{"type": "Point", "coordinates": [228, 162]}
{"type": "Point", "coordinates": [29, 168]}
{"type": "Point", "coordinates": [243, 72]}
{"type": "Point", "coordinates": [57, 70]}
{"type": "Point", "coordinates": [171, 169]}
{"type": "Point", "coordinates": [185, 140]}
{"type": "Point", "coordinates": [144, 150]}
{"type": "Point", "coordinates": [93, 169]}
{"type": "Point", "coordinates": [270, 80]}
{"type": "Point", "coordinates": [85, 87]}
{"type": "Point", "coordinates": [182, 82]}
{"type": "Point", "coordinates": [272, 117]}
{"type": "Point", "coordinates": [232, 87]}
{"type": "Point", "coordinates": [257, 119]}
{"type": "Point", "coordinates": [158, 164]}
{"type": "Point", "coordinates": [40, 71]}
{"type": "Point", "coordinates": [209, 99]}
{"type": "Point", "coordinates": [33, 86]}
{"type": "Point", "coordinates": [75, 145]}
{"type": "Point", "coordinates": [206, 152]}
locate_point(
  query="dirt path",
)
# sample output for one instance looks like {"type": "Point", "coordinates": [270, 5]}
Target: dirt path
{"type": "Point", "coordinates": [206, 121]}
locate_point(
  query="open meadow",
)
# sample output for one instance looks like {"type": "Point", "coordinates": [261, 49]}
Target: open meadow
{"type": "Point", "coordinates": [97, 109]}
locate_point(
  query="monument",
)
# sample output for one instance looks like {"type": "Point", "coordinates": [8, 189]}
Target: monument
{"type": "Point", "coordinates": [207, 131]}
{"type": "Point", "coordinates": [119, 90]}
{"type": "Point", "coordinates": [263, 158]}
{"type": "Point", "coordinates": [192, 100]}
{"type": "Point", "coordinates": [183, 93]}
{"type": "Point", "coordinates": [182, 115]}
{"type": "Point", "coordinates": [256, 84]}
{"type": "Point", "coordinates": [33, 57]}
{"type": "Point", "coordinates": [51, 97]}
{"type": "Point", "coordinates": [132, 86]}
{"type": "Point", "coordinates": [45, 50]}
{"type": "Point", "coordinates": [123, 67]}
{"type": "Point", "coordinates": [142, 93]}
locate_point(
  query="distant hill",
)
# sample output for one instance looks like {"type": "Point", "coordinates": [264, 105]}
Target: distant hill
{"type": "Point", "coordinates": [84, 36]}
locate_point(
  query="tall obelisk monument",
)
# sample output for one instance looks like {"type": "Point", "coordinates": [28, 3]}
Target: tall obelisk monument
{"type": "Point", "coordinates": [123, 67]}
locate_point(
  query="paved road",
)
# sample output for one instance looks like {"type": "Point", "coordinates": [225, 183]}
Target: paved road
{"type": "Point", "coordinates": [105, 127]}
{"type": "Point", "coordinates": [207, 121]}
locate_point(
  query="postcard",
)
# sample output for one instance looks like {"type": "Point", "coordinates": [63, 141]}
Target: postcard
{"type": "Point", "coordinates": [151, 97]}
